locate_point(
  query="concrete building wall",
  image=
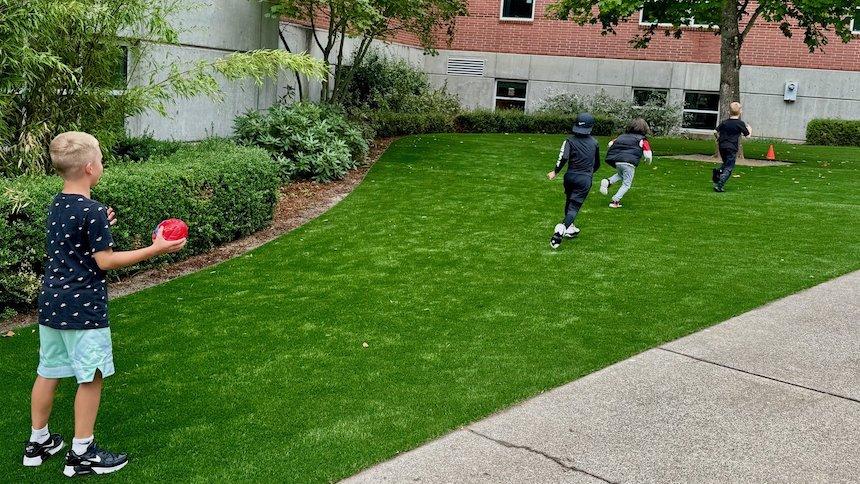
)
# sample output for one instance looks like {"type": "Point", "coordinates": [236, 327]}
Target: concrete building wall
{"type": "Point", "coordinates": [822, 93]}
{"type": "Point", "coordinates": [214, 30]}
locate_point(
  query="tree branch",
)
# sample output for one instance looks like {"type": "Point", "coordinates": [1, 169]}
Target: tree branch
{"type": "Point", "coordinates": [311, 15]}
{"type": "Point", "coordinates": [287, 46]}
{"type": "Point", "coordinates": [750, 23]}
{"type": "Point", "coordinates": [338, 76]}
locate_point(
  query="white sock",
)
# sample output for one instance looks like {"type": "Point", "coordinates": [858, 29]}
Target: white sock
{"type": "Point", "coordinates": [39, 435]}
{"type": "Point", "coordinates": [79, 446]}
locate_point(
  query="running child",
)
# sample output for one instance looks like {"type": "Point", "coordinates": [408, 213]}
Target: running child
{"type": "Point", "coordinates": [74, 334]}
{"type": "Point", "coordinates": [581, 153]}
{"type": "Point", "coordinates": [728, 137]}
{"type": "Point", "coordinates": [624, 154]}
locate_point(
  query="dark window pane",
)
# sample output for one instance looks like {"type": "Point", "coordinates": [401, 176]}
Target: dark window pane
{"type": "Point", "coordinates": [119, 74]}
{"type": "Point", "coordinates": [643, 96]}
{"type": "Point", "coordinates": [702, 101]}
{"type": "Point", "coordinates": [648, 18]}
{"type": "Point", "coordinates": [510, 89]}
{"type": "Point", "coordinates": [857, 21]}
{"type": "Point", "coordinates": [510, 104]}
{"type": "Point", "coordinates": [700, 120]}
{"type": "Point", "coordinates": [517, 8]}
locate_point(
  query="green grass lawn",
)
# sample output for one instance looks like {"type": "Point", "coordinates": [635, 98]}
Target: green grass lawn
{"type": "Point", "coordinates": [440, 262]}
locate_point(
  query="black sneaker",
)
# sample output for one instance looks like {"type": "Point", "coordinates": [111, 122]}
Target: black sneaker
{"type": "Point", "coordinates": [557, 236]}
{"type": "Point", "coordinates": [93, 461]}
{"type": "Point", "coordinates": [36, 453]}
{"type": "Point", "coordinates": [718, 189]}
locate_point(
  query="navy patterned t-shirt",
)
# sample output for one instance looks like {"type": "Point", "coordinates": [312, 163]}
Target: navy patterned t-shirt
{"type": "Point", "coordinates": [74, 289]}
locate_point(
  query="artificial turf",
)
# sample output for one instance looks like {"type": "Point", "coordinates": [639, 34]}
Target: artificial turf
{"type": "Point", "coordinates": [257, 369]}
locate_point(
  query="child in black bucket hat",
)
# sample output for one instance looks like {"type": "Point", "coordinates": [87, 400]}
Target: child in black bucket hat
{"type": "Point", "coordinates": [581, 153]}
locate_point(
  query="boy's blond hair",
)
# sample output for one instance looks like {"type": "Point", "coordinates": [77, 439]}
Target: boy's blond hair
{"type": "Point", "coordinates": [735, 108]}
{"type": "Point", "coordinates": [72, 150]}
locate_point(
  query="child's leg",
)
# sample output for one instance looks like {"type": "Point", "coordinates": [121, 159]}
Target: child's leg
{"type": "Point", "coordinates": [87, 406]}
{"type": "Point", "coordinates": [614, 178]}
{"type": "Point", "coordinates": [729, 158]}
{"type": "Point", "coordinates": [627, 171]}
{"type": "Point", "coordinates": [42, 401]}
{"type": "Point", "coordinates": [570, 213]}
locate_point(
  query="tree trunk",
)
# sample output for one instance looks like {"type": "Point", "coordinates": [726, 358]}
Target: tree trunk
{"type": "Point", "coordinates": [730, 60]}
{"type": "Point", "coordinates": [298, 77]}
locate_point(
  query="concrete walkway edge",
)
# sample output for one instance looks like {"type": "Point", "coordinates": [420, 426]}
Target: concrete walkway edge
{"type": "Point", "coordinates": [772, 395]}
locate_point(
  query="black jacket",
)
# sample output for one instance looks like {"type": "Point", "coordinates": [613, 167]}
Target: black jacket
{"type": "Point", "coordinates": [580, 153]}
{"type": "Point", "coordinates": [625, 149]}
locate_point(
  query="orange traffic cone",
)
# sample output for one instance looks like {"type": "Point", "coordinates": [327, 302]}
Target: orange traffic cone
{"type": "Point", "coordinates": [770, 154]}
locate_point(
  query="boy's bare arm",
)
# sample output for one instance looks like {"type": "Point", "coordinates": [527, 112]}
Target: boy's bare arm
{"type": "Point", "coordinates": [109, 259]}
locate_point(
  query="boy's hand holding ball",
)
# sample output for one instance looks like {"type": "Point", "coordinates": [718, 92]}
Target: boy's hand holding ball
{"type": "Point", "coordinates": [551, 175]}
{"type": "Point", "coordinates": [170, 236]}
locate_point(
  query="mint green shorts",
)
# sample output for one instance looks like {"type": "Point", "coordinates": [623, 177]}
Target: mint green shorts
{"type": "Point", "coordinates": [75, 353]}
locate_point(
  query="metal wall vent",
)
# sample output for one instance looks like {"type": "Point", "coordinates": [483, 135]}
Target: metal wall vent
{"type": "Point", "coordinates": [465, 67]}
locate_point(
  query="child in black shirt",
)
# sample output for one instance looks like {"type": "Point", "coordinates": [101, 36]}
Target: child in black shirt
{"type": "Point", "coordinates": [728, 136]}
{"type": "Point", "coordinates": [74, 334]}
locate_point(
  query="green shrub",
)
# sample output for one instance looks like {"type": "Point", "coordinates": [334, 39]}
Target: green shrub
{"type": "Point", "coordinates": [142, 148]}
{"type": "Point", "coordinates": [513, 121]}
{"type": "Point", "coordinates": [306, 140]}
{"type": "Point", "coordinates": [221, 190]}
{"type": "Point", "coordinates": [380, 83]}
{"type": "Point", "coordinates": [387, 124]}
{"type": "Point", "coordinates": [663, 118]}
{"type": "Point", "coordinates": [834, 132]}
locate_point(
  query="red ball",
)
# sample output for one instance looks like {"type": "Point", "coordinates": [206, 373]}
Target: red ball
{"type": "Point", "coordinates": [172, 229]}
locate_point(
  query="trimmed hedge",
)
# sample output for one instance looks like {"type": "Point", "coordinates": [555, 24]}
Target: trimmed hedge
{"type": "Point", "coordinates": [222, 190]}
{"type": "Point", "coordinates": [387, 123]}
{"type": "Point", "coordinates": [143, 148]}
{"type": "Point", "coordinates": [482, 121]}
{"type": "Point", "coordinates": [833, 132]}
{"type": "Point", "coordinates": [513, 121]}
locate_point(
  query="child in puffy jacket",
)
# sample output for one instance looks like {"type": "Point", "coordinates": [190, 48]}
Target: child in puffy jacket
{"type": "Point", "coordinates": [625, 153]}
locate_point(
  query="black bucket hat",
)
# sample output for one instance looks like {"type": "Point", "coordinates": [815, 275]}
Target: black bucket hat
{"type": "Point", "coordinates": [583, 124]}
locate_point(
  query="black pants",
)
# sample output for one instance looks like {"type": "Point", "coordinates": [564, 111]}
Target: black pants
{"type": "Point", "coordinates": [576, 188]}
{"type": "Point", "coordinates": [725, 171]}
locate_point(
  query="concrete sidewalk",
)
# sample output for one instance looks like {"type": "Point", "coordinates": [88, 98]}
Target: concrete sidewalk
{"type": "Point", "coordinates": [772, 395]}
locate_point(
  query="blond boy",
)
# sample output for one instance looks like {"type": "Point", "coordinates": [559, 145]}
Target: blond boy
{"type": "Point", "coordinates": [74, 335]}
{"type": "Point", "coordinates": [728, 137]}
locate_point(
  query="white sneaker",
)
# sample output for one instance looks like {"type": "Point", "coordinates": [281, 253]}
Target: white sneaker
{"type": "Point", "coordinates": [571, 232]}
{"type": "Point", "coordinates": [604, 186]}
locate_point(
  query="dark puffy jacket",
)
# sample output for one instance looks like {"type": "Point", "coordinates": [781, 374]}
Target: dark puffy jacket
{"type": "Point", "coordinates": [625, 149]}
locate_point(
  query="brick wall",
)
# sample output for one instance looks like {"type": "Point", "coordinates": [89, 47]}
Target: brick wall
{"type": "Point", "coordinates": [766, 46]}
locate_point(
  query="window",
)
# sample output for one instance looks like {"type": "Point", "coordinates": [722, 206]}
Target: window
{"type": "Point", "coordinates": [511, 95]}
{"type": "Point", "coordinates": [119, 73]}
{"type": "Point", "coordinates": [701, 110]}
{"type": "Point", "coordinates": [855, 22]}
{"type": "Point", "coordinates": [517, 10]}
{"type": "Point", "coordinates": [646, 18]}
{"type": "Point", "coordinates": [643, 96]}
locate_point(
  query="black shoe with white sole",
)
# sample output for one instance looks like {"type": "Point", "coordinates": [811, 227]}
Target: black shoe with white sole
{"type": "Point", "coordinates": [36, 453]}
{"type": "Point", "coordinates": [557, 236]}
{"type": "Point", "coordinates": [93, 461]}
